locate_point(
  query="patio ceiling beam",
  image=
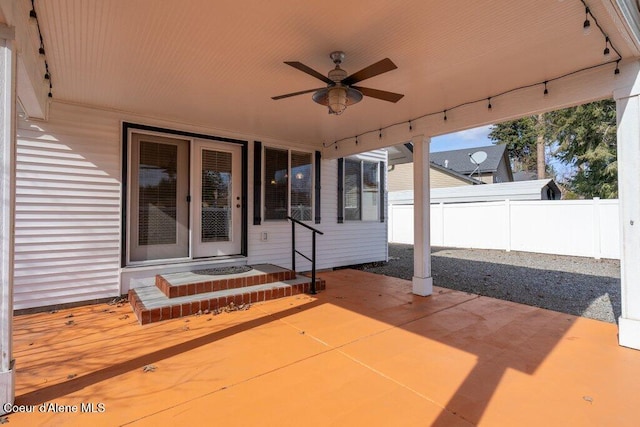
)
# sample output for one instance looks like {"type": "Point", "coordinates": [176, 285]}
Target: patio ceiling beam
{"type": "Point", "coordinates": [7, 202]}
{"type": "Point", "coordinates": [31, 85]}
{"type": "Point", "coordinates": [582, 87]}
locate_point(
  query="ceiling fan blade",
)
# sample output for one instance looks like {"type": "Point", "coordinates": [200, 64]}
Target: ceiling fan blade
{"type": "Point", "coordinates": [379, 94]}
{"type": "Point", "coordinates": [294, 94]}
{"type": "Point", "coordinates": [370, 71]}
{"type": "Point", "coordinates": [300, 66]}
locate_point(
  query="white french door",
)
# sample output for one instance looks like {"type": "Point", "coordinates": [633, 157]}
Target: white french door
{"type": "Point", "coordinates": [185, 198]}
{"type": "Point", "coordinates": [217, 199]}
{"type": "Point", "coordinates": [159, 214]}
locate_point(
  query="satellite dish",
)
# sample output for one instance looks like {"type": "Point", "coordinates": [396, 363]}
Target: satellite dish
{"type": "Point", "coordinates": [478, 157]}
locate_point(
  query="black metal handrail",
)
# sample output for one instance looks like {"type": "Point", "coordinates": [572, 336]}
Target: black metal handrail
{"type": "Point", "coordinates": [313, 250]}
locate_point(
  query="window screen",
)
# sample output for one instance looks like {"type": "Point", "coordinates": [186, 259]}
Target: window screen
{"type": "Point", "coordinates": [276, 183]}
{"type": "Point", "coordinates": [301, 181]}
{"type": "Point", "coordinates": [352, 189]}
{"type": "Point", "coordinates": [370, 191]}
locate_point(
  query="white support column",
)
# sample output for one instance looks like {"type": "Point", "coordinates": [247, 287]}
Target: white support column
{"type": "Point", "coordinates": [422, 280]}
{"type": "Point", "coordinates": [7, 200]}
{"type": "Point", "coordinates": [628, 111]}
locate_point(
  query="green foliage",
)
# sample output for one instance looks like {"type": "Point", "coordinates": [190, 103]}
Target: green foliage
{"type": "Point", "coordinates": [583, 137]}
{"type": "Point", "coordinates": [586, 137]}
{"type": "Point", "coordinates": [520, 137]}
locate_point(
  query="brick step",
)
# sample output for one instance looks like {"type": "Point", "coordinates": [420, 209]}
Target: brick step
{"type": "Point", "coordinates": [151, 305]}
{"type": "Point", "coordinates": [188, 283]}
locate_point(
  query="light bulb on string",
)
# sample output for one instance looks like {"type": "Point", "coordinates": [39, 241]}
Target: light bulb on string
{"type": "Point", "coordinates": [586, 26]}
{"type": "Point", "coordinates": [606, 51]}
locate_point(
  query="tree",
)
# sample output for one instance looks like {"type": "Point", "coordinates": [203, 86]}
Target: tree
{"type": "Point", "coordinates": [582, 137]}
{"type": "Point", "coordinates": [526, 140]}
{"type": "Point", "coordinates": [586, 137]}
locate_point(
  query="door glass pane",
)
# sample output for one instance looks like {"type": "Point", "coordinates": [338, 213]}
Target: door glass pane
{"type": "Point", "coordinates": [157, 193]}
{"type": "Point", "coordinates": [216, 196]}
{"type": "Point", "coordinates": [301, 180]}
{"type": "Point", "coordinates": [276, 183]}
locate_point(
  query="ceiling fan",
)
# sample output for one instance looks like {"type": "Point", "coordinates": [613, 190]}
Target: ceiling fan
{"type": "Point", "coordinates": [340, 91]}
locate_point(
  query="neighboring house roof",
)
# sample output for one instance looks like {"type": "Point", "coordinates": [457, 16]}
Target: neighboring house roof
{"type": "Point", "coordinates": [459, 161]}
{"type": "Point", "coordinates": [453, 173]}
{"type": "Point", "coordinates": [541, 189]}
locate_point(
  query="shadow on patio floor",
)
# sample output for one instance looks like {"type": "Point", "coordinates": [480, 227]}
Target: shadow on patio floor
{"type": "Point", "coordinates": [364, 352]}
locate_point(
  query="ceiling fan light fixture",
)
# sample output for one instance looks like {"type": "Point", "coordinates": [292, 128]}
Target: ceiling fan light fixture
{"type": "Point", "coordinates": [337, 100]}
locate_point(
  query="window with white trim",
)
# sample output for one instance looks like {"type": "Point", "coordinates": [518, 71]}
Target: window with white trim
{"type": "Point", "coordinates": [288, 184]}
{"type": "Point", "coordinates": [361, 190]}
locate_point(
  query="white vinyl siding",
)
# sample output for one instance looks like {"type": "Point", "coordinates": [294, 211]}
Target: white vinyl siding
{"type": "Point", "coordinates": [67, 210]}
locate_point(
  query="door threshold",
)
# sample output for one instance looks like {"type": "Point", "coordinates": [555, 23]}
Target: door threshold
{"type": "Point", "coordinates": [168, 264]}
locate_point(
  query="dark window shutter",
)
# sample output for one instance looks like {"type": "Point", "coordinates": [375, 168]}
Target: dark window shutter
{"type": "Point", "coordinates": [257, 182]}
{"type": "Point", "coordinates": [383, 202]}
{"type": "Point", "coordinates": [340, 190]}
{"type": "Point", "coordinates": [317, 187]}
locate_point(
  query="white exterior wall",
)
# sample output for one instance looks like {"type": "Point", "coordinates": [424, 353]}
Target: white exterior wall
{"type": "Point", "coordinates": [587, 228]}
{"type": "Point", "coordinates": [68, 210]}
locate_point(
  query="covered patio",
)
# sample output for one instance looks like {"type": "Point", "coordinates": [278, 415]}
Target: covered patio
{"type": "Point", "coordinates": [81, 80]}
{"type": "Point", "coordinates": [364, 352]}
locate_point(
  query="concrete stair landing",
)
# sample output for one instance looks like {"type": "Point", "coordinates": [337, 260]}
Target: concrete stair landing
{"type": "Point", "coordinates": [183, 294]}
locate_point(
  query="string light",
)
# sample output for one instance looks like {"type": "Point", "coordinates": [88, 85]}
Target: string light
{"type": "Point", "coordinates": [587, 25]}
{"type": "Point", "coordinates": [47, 74]}
{"type": "Point", "coordinates": [356, 139]}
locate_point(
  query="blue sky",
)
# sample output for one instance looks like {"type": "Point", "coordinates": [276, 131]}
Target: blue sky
{"type": "Point", "coordinates": [477, 137]}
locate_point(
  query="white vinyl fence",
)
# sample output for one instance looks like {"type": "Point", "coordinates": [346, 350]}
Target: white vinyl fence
{"type": "Point", "coordinates": [588, 228]}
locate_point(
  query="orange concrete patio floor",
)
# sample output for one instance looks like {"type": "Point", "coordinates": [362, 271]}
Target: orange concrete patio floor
{"type": "Point", "coordinates": [365, 352]}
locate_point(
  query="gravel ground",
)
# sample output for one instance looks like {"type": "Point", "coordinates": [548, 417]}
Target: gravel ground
{"type": "Point", "coordinates": [580, 286]}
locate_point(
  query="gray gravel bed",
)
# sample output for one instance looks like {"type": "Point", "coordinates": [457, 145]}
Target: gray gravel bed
{"type": "Point", "coordinates": [580, 286]}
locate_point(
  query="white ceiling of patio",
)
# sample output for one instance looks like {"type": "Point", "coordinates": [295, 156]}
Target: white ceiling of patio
{"type": "Point", "coordinates": [218, 63]}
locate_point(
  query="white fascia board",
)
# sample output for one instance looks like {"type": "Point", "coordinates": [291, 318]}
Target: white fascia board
{"type": "Point", "coordinates": [626, 15]}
